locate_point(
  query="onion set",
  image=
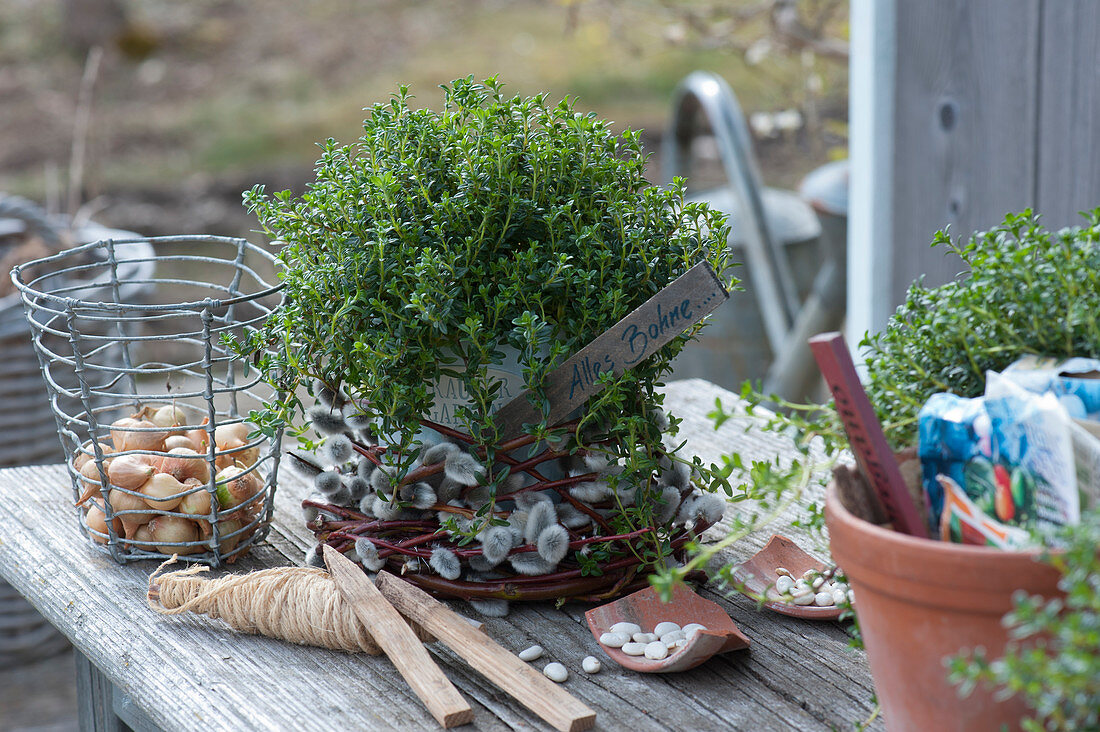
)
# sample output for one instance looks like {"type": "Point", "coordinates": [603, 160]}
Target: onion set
{"type": "Point", "coordinates": [158, 484]}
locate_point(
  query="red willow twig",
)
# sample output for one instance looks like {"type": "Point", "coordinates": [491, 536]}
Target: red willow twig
{"type": "Point", "coordinates": [392, 537]}
{"type": "Point", "coordinates": [400, 547]}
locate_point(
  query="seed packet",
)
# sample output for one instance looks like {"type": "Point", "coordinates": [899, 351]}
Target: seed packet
{"type": "Point", "coordinates": [954, 433]}
{"type": "Point", "coordinates": [1075, 381]}
{"type": "Point", "coordinates": [1000, 468]}
{"type": "Point", "coordinates": [1032, 434]}
{"type": "Point", "coordinates": [962, 522]}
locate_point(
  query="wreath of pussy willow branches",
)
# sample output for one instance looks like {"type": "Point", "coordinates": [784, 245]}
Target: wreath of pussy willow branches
{"type": "Point", "coordinates": [442, 526]}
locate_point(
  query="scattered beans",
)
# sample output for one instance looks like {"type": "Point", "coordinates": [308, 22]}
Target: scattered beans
{"type": "Point", "coordinates": [591, 665]}
{"type": "Point", "coordinates": [530, 654]}
{"type": "Point", "coordinates": [614, 640]}
{"type": "Point", "coordinates": [656, 650]}
{"type": "Point", "coordinates": [665, 627]}
{"type": "Point", "coordinates": [556, 672]}
{"type": "Point", "coordinates": [634, 649]}
{"type": "Point", "coordinates": [628, 628]}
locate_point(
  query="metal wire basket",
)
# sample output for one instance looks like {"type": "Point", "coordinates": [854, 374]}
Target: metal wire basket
{"type": "Point", "coordinates": [142, 360]}
{"type": "Point", "coordinates": [27, 425]}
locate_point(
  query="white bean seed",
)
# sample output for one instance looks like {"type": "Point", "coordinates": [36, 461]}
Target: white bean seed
{"type": "Point", "coordinates": [628, 628]}
{"type": "Point", "coordinates": [842, 586]}
{"type": "Point", "coordinates": [556, 672]}
{"type": "Point", "coordinates": [809, 574]}
{"type": "Point", "coordinates": [673, 636]}
{"type": "Point", "coordinates": [656, 650]}
{"type": "Point", "coordinates": [692, 628]}
{"type": "Point", "coordinates": [783, 571]}
{"type": "Point", "coordinates": [530, 654]}
{"type": "Point", "coordinates": [851, 596]}
{"type": "Point", "coordinates": [839, 596]}
{"type": "Point", "coordinates": [591, 665]}
{"type": "Point", "coordinates": [784, 584]}
{"type": "Point", "coordinates": [823, 599]}
{"type": "Point", "coordinates": [676, 645]}
{"type": "Point", "coordinates": [614, 640]}
{"type": "Point", "coordinates": [634, 649]}
{"type": "Point", "coordinates": [666, 627]}
{"type": "Point", "coordinates": [803, 597]}
{"type": "Point", "coordinates": [644, 637]}
{"type": "Point", "coordinates": [817, 583]}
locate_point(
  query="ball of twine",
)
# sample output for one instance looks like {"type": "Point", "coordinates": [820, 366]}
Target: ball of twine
{"type": "Point", "coordinates": [297, 604]}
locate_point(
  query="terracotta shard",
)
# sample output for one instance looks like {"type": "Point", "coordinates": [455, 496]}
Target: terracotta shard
{"type": "Point", "coordinates": [646, 609]}
{"type": "Point", "coordinates": [758, 576]}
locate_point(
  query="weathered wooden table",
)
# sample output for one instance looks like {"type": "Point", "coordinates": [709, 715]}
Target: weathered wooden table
{"type": "Point", "coordinates": [186, 673]}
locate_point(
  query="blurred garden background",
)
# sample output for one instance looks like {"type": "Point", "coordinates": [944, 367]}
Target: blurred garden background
{"type": "Point", "coordinates": [193, 102]}
{"type": "Point", "coordinates": [154, 115]}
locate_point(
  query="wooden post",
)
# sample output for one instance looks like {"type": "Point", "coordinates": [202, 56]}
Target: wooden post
{"type": "Point", "coordinates": [949, 129]}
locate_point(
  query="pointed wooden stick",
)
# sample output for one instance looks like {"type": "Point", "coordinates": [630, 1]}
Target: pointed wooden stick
{"type": "Point", "coordinates": [526, 685]}
{"type": "Point", "coordinates": [396, 638]}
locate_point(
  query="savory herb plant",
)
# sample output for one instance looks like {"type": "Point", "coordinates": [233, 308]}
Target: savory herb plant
{"type": "Point", "coordinates": [441, 241]}
{"type": "Point", "coordinates": [1025, 290]}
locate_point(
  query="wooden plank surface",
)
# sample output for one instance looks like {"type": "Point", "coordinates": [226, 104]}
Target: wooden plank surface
{"type": "Point", "coordinates": [190, 672]}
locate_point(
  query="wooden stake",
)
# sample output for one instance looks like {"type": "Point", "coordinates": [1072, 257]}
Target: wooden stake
{"type": "Point", "coordinates": [396, 638]}
{"type": "Point", "coordinates": [529, 687]}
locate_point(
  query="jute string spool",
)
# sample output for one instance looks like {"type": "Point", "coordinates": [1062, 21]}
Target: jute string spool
{"type": "Point", "coordinates": [297, 604]}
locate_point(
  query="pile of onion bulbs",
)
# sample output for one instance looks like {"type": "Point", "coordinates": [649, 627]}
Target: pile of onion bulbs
{"type": "Point", "coordinates": [161, 491]}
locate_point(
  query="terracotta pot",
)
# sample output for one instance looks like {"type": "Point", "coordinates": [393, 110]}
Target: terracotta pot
{"type": "Point", "coordinates": [920, 601]}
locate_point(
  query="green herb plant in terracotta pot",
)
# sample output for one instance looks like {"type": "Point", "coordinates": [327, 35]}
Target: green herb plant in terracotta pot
{"type": "Point", "coordinates": [1026, 291]}
{"type": "Point", "coordinates": [920, 602]}
{"type": "Point", "coordinates": [445, 262]}
{"type": "Point", "coordinates": [959, 637]}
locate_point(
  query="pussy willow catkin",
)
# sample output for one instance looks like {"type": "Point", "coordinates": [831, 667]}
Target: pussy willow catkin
{"type": "Point", "coordinates": [297, 604]}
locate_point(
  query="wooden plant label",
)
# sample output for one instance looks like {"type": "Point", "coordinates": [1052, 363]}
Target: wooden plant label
{"type": "Point", "coordinates": [876, 459]}
{"type": "Point", "coordinates": [677, 307]}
